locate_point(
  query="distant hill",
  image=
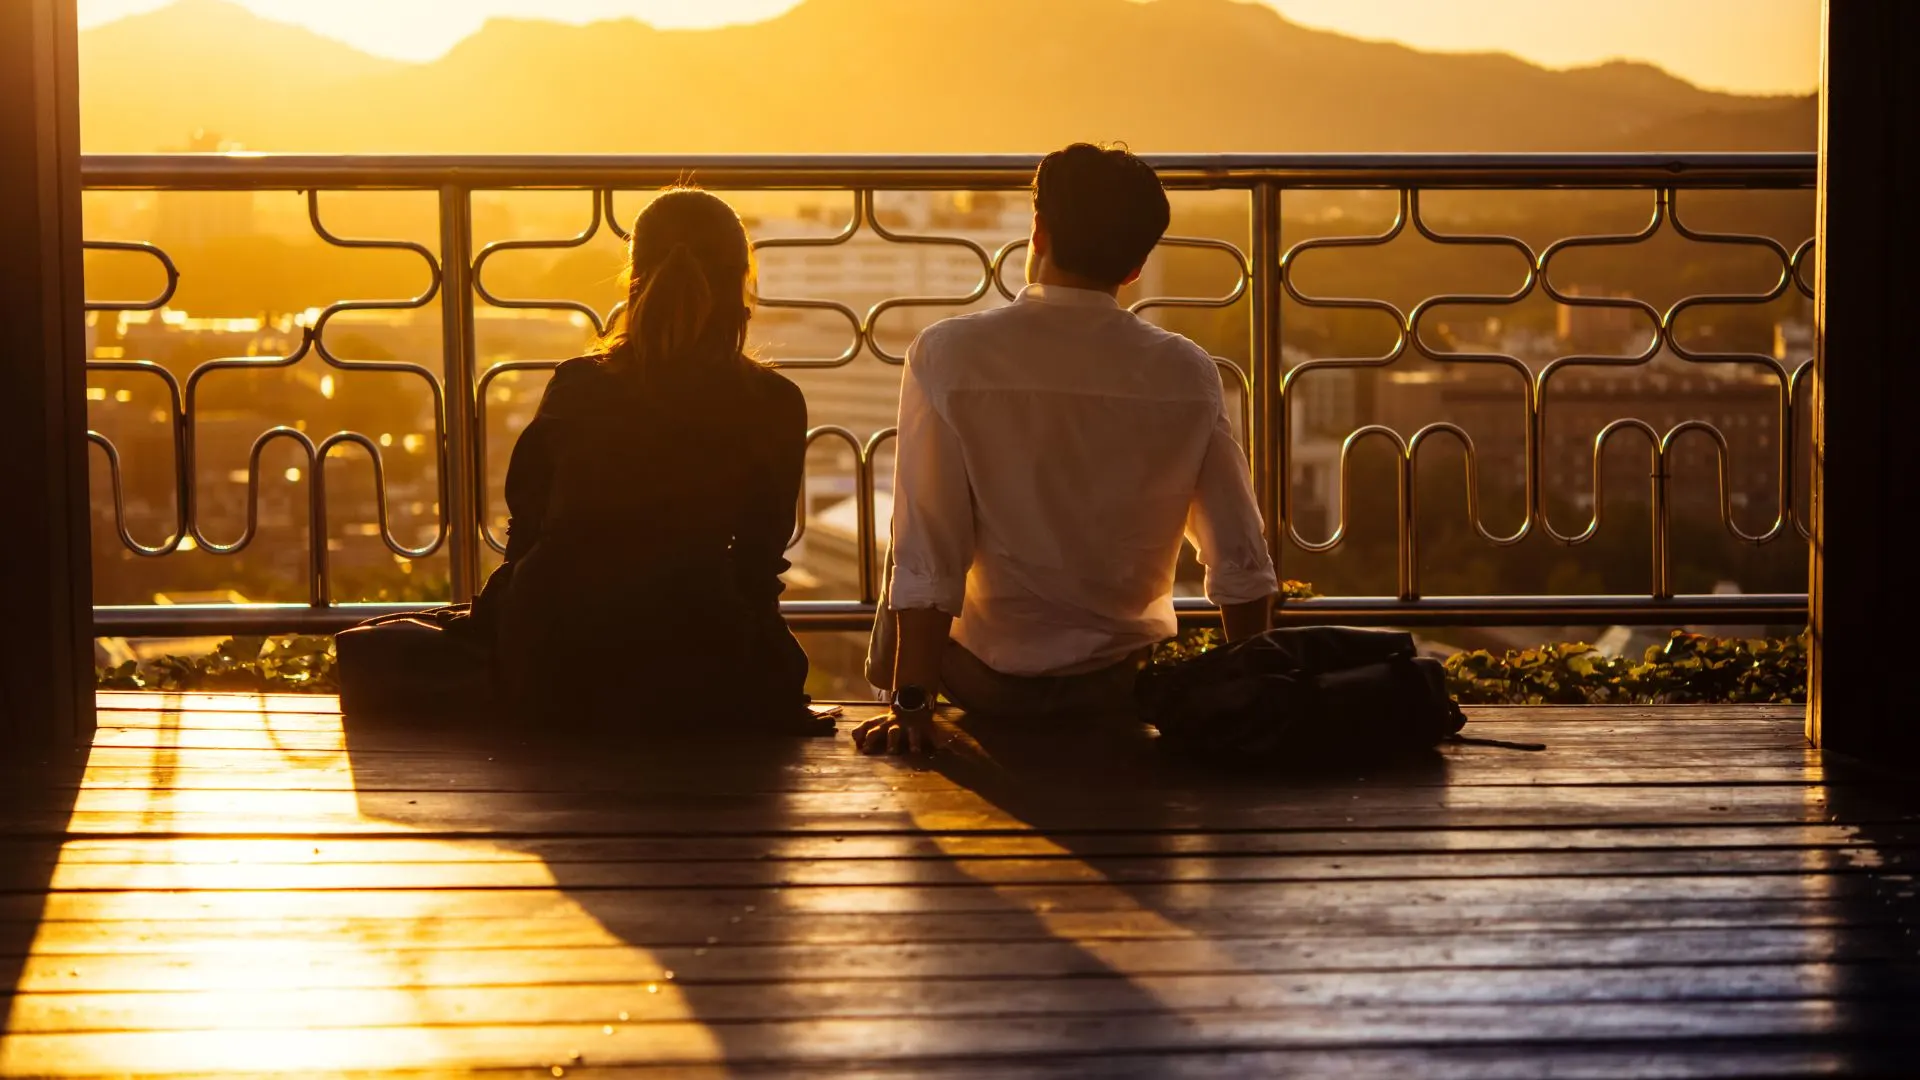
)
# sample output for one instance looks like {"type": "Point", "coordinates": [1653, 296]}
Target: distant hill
{"type": "Point", "coordinates": [149, 81]}
{"type": "Point", "coordinates": [888, 75]}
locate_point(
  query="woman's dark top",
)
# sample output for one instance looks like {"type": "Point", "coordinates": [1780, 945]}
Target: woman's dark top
{"type": "Point", "coordinates": [645, 547]}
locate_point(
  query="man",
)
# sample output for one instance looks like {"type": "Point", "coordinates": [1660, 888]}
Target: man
{"type": "Point", "coordinates": [1051, 455]}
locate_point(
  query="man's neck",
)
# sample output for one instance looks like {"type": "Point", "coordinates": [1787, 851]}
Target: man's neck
{"type": "Point", "coordinates": [1055, 277]}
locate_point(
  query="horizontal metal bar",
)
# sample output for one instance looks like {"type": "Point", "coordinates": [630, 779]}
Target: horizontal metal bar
{"type": "Point", "coordinates": [926, 171]}
{"type": "Point", "coordinates": [192, 620]}
{"type": "Point", "coordinates": [198, 620]}
{"type": "Point", "coordinates": [1696, 610]}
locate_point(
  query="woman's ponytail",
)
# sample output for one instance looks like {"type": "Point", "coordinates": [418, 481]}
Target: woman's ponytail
{"type": "Point", "coordinates": [669, 317]}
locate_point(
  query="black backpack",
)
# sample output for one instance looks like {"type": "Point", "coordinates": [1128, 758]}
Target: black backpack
{"type": "Point", "coordinates": [1320, 693]}
{"type": "Point", "coordinates": [435, 664]}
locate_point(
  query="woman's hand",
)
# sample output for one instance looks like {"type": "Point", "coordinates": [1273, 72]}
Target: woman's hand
{"type": "Point", "coordinates": [897, 733]}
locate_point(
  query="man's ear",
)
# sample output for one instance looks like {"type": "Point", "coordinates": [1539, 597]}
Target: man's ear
{"type": "Point", "coordinates": [1041, 239]}
{"type": "Point", "coordinates": [1133, 277]}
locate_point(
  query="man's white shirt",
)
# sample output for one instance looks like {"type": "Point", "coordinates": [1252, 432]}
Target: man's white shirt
{"type": "Point", "coordinates": [1051, 455]}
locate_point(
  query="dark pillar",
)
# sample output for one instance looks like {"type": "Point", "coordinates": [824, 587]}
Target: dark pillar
{"type": "Point", "coordinates": [1866, 405]}
{"type": "Point", "coordinates": [46, 581]}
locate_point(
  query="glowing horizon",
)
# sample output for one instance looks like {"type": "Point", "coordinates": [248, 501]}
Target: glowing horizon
{"type": "Point", "coordinates": [1739, 46]}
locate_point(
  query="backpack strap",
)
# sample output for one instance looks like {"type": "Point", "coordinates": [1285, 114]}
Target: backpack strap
{"type": "Point", "coordinates": [1468, 740]}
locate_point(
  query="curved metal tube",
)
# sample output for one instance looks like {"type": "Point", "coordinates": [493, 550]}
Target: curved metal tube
{"type": "Point", "coordinates": [480, 440]}
{"type": "Point", "coordinates": [1359, 435]}
{"type": "Point", "coordinates": [997, 270]}
{"type": "Point", "coordinates": [1289, 266]}
{"type": "Point", "coordinates": [141, 247]}
{"type": "Point", "coordinates": [854, 323]}
{"type": "Point", "coordinates": [165, 547]}
{"type": "Point", "coordinates": [580, 238]}
{"type": "Point", "coordinates": [1600, 440]}
{"type": "Point", "coordinates": [869, 324]}
{"type": "Point", "coordinates": [1801, 255]}
{"type": "Point", "coordinates": [313, 340]}
{"type": "Point", "coordinates": [835, 433]}
{"type": "Point", "coordinates": [1783, 378]}
{"type": "Point", "coordinates": [176, 420]}
{"type": "Point", "coordinates": [1472, 459]}
{"type": "Point", "coordinates": [1242, 267]}
{"type": "Point", "coordinates": [1243, 385]}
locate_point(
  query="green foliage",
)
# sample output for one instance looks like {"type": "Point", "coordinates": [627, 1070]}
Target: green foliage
{"type": "Point", "coordinates": [1189, 644]}
{"type": "Point", "coordinates": [265, 665]}
{"type": "Point", "coordinates": [1296, 590]}
{"type": "Point", "coordinates": [1688, 669]}
{"type": "Point", "coordinates": [1192, 643]}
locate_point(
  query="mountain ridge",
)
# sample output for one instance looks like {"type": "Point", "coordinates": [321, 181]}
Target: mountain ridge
{"type": "Point", "coordinates": [833, 76]}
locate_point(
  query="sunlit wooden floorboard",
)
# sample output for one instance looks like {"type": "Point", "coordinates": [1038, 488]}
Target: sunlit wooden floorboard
{"type": "Point", "coordinates": [232, 885]}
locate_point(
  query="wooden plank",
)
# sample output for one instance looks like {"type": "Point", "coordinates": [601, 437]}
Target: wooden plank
{"type": "Point", "coordinates": [1255, 901]}
{"type": "Point", "coordinates": [159, 785]}
{"type": "Point", "coordinates": [557, 850]}
{"type": "Point", "coordinates": [1107, 995]}
{"type": "Point", "coordinates": [387, 767]}
{"type": "Point", "coordinates": [835, 760]}
{"type": "Point", "coordinates": [828, 1043]}
{"type": "Point", "coordinates": [293, 967]}
{"type": "Point", "coordinates": [1246, 808]}
{"type": "Point", "coordinates": [1689, 1060]}
{"type": "Point", "coordinates": [1502, 808]}
{"type": "Point", "coordinates": [938, 872]}
{"type": "Point", "coordinates": [551, 922]}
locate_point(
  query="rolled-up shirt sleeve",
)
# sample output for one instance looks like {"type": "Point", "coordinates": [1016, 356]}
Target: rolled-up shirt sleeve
{"type": "Point", "coordinates": [1223, 523]}
{"type": "Point", "coordinates": [932, 499]}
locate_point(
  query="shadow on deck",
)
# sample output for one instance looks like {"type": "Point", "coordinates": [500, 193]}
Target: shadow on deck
{"type": "Point", "coordinates": [238, 885]}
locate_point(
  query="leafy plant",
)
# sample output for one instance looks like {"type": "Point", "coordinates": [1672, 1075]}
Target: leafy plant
{"type": "Point", "coordinates": [265, 665]}
{"type": "Point", "coordinates": [1687, 669]}
{"type": "Point", "coordinates": [1194, 642]}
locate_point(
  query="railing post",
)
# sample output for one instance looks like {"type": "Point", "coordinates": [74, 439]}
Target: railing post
{"type": "Point", "coordinates": [1661, 515]}
{"type": "Point", "coordinates": [319, 565]}
{"type": "Point", "coordinates": [1267, 438]}
{"type": "Point", "coordinates": [1408, 527]}
{"type": "Point", "coordinates": [462, 501]}
{"type": "Point", "coordinates": [865, 528]}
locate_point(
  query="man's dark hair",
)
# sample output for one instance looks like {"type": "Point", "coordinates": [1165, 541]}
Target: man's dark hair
{"type": "Point", "coordinates": [1103, 208]}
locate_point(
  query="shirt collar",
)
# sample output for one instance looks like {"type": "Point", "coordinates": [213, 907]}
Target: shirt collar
{"type": "Point", "coordinates": [1067, 297]}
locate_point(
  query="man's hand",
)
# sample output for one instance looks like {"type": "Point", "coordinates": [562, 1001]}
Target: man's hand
{"type": "Point", "coordinates": [924, 634]}
{"type": "Point", "coordinates": [897, 733]}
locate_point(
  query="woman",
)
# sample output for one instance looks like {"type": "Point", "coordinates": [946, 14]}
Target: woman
{"type": "Point", "coordinates": [652, 498]}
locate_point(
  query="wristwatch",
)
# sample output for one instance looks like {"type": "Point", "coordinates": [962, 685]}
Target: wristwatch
{"type": "Point", "coordinates": [912, 699]}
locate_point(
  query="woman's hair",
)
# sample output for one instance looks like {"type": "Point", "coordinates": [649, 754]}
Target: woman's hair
{"type": "Point", "coordinates": [688, 276]}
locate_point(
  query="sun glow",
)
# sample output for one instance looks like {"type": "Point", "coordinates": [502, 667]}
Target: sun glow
{"type": "Point", "coordinates": [420, 30]}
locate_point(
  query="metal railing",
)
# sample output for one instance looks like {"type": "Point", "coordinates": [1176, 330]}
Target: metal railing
{"type": "Point", "coordinates": [1266, 274]}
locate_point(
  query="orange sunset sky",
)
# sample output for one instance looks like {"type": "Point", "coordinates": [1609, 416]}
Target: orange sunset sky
{"type": "Point", "coordinates": [1748, 46]}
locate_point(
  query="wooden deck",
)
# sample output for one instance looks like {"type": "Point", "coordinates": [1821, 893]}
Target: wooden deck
{"type": "Point", "coordinates": [237, 885]}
